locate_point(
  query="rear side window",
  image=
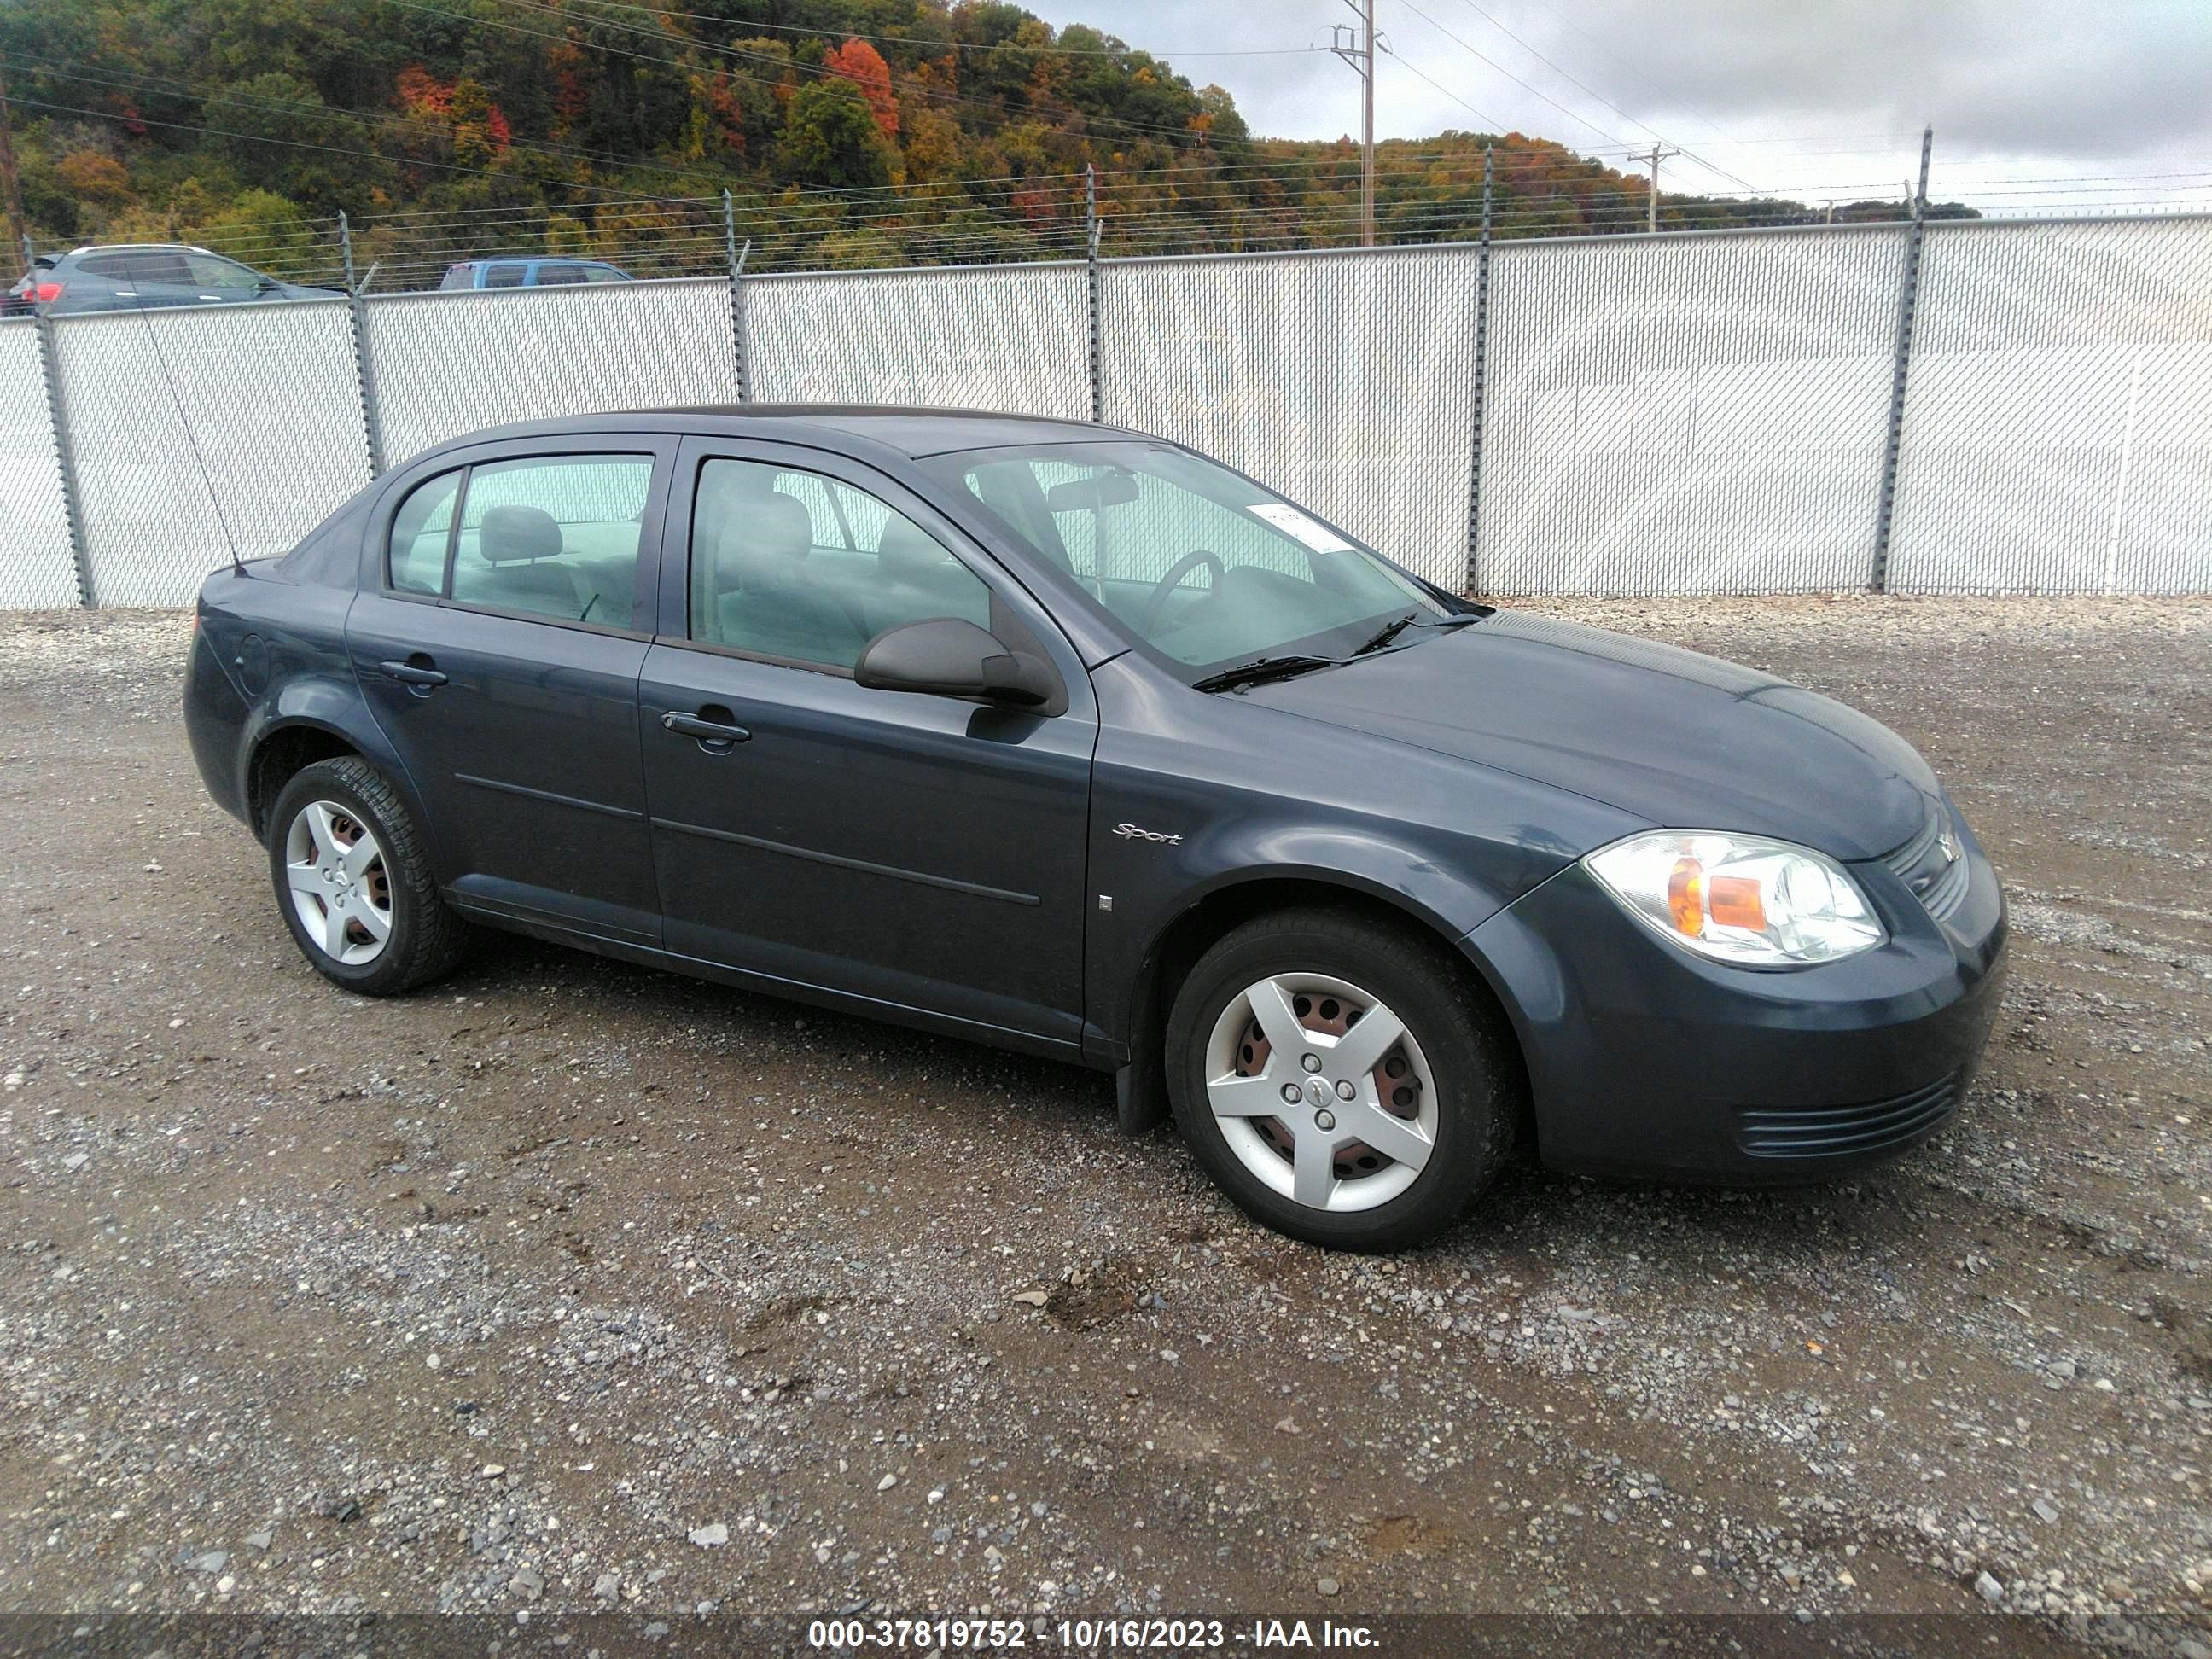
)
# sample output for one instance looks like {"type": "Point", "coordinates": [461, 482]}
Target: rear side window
{"type": "Point", "coordinates": [420, 533]}
{"type": "Point", "coordinates": [551, 276]}
{"type": "Point", "coordinates": [807, 569]}
{"type": "Point", "coordinates": [151, 264]}
{"type": "Point", "coordinates": [502, 276]}
{"type": "Point", "coordinates": [554, 535]}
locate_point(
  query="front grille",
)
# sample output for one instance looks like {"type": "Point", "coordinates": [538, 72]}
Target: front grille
{"type": "Point", "coordinates": [1845, 1131]}
{"type": "Point", "coordinates": [1936, 878]}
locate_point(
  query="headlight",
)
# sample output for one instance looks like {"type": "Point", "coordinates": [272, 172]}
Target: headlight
{"type": "Point", "coordinates": [1743, 899]}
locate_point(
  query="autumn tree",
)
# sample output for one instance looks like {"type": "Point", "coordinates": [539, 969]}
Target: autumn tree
{"type": "Point", "coordinates": [864, 66]}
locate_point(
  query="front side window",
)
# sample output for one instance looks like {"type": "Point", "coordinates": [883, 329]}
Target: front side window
{"type": "Point", "coordinates": [603, 274]}
{"type": "Point", "coordinates": [209, 271]}
{"type": "Point", "coordinates": [1206, 568]}
{"type": "Point", "coordinates": [553, 536]}
{"type": "Point", "coordinates": [807, 568]}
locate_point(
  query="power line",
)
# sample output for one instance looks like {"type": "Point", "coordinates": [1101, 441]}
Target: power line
{"type": "Point", "coordinates": [738, 25]}
{"type": "Point", "coordinates": [784, 64]}
{"type": "Point", "coordinates": [1592, 92]}
{"type": "Point", "coordinates": [1507, 73]}
{"type": "Point", "coordinates": [1488, 120]}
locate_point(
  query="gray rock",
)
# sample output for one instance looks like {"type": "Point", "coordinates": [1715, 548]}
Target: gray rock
{"type": "Point", "coordinates": [1329, 1587]}
{"type": "Point", "coordinates": [607, 1586]}
{"type": "Point", "coordinates": [2045, 1511]}
{"type": "Point", "coordinates": [708, 1537]}
{"type": "Point", "coordinates": [212, 1561]}
{"type": "Point", "coordinates": [260, 1540]}
{"type": "Point", "coordinates": [1988, 1589]}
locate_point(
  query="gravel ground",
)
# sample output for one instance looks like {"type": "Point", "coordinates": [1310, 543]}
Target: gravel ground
{"type": "Point", "coordinates": [565, 1285]}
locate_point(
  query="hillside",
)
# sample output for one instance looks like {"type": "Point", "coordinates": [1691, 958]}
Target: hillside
{"type": "Point", "coordinates": [848, 133]}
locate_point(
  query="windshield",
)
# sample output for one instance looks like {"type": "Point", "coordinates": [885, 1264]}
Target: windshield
{"type": "Point", "coordinates": [1206, 568]}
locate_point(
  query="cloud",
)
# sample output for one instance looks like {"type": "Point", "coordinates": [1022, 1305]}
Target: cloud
{"type": "Point", "coordinates": [1811, 95]}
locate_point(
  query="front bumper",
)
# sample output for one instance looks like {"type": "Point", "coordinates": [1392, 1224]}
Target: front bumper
{"type": "Point", "coordinates": [1645, 1060]}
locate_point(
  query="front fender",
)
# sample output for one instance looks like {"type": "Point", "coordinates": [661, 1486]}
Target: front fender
{"type": "Point", "coordinates": [1195, 797]}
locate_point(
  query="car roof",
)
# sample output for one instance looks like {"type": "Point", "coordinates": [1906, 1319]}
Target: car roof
{"type": "Point", "coordinates": [914, 432]}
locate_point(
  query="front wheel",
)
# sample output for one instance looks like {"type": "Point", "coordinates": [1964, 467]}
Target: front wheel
{"type": "Point", "coordinates": [354, 882]}
{"type": "Point", "coordinates": [1340, 1079]}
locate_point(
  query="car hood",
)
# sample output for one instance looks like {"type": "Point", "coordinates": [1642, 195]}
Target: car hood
{"type": "Point", "coordinates": [1686, 740]}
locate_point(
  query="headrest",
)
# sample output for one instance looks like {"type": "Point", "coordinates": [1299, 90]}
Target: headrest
{"type": "Point", "coordinates": [513, 533]}
{"type": "Point", "coordinates": [764, 538]}
{"type": "Point", "coordinates": [907, 552]}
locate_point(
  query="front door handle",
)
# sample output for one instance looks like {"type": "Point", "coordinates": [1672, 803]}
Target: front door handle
{"type": "Point", "coordinates": [716, 737]}
{"type": "Point", "coordinates": [408, 673]}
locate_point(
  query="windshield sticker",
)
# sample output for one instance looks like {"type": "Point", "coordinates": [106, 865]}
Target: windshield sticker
{"type": "Point", "coordinates": [1294, 524]}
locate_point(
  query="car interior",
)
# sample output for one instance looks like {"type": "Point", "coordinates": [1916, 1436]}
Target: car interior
{"type": "Point", "coordinates": [795, 566]}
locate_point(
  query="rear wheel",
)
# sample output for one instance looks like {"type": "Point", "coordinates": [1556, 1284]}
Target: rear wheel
{"type": "Point", "coordinates": [1340, 1079]}
{"type": "Point", "coordinates": [354, 882]}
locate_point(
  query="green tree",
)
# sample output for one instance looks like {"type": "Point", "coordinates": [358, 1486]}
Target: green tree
{"type": "Point", "coordinates": [832, 140]}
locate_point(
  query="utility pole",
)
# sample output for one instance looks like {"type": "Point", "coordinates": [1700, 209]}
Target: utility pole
{"type": "Point", "coordinates": [10, 188]}
{"type": "Point", "coordinates": [1656, 155]}
{"type": "Point", "coordinates": [1356, 46]}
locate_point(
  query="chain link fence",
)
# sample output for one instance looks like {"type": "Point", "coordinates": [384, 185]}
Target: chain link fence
{"type": "Point", "coordinates": [1684, 413]}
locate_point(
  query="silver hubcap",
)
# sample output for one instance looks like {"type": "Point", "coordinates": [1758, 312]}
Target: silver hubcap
{"type": "Point", "coordinates": [340, 889]}
{"type": "Point", "coordinates": [1322, 1092]}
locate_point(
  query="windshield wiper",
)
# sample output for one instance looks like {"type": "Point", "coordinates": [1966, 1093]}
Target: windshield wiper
{"type": "Point", "coordinates": [1391, 630]}
{"type": "Point", "coordinates": [1263, 668]}
{"type": "Point", "coordinates": [1388, 632]}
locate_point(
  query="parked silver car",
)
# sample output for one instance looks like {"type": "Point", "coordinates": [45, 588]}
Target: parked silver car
{"type": "Point", "coordinates": [133, 275]}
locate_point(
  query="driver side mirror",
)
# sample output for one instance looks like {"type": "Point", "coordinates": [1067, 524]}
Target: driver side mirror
{"type": "Point", "coordinates": [952, 658]}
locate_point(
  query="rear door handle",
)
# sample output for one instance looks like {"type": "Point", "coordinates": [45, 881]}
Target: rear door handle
{"type": "Point", "coordinates": [408, 674]}
{"type": "Point", "coordinates": [718, 733]}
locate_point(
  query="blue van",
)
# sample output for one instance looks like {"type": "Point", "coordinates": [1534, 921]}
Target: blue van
{"type": "Point", "coordinates": [531, 273]}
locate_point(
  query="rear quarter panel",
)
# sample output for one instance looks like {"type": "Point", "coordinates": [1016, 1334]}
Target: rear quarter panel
{"type": "Point", "coordinates": [280, 646]}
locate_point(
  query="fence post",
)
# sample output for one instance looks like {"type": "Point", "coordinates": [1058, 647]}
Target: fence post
{"type": "Point", "coordinates": [1894, 442]}
{"type": "Point", "coordinates": [72, 505]}
{"type": "Point", "coordinates": [736, 257]}
{"type": "Point", "coordinates": [1091, 227]}
{"type": "Point", "coordinates": [1481, 370]}
{"type": "Point", "coordinates": [372, 423]}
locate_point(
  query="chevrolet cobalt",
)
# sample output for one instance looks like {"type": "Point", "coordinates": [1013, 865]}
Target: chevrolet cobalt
{"type": "Point", "coordinates": [1061, 738]}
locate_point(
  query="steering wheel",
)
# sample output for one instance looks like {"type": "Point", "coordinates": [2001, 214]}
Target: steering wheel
{"type": "Point", "coordinates": [1158, 598]}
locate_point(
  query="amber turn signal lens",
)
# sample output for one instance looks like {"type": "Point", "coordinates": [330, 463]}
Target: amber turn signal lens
{"type": "Point", "coordinates": [1686, 897]}
{"type": "Point", "coordinates": [1735, 903]}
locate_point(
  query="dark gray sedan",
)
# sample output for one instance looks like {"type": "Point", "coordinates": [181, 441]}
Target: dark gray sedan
{"type": "Point", "coordinates": [143, 276]}
{"type": "Point", "coordinates": [1065, 738]}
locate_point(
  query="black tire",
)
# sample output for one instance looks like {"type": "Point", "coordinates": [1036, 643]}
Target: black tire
{"type": "Point", "coordinates": [426, 940]}
{"type": "Point", "coordinates": [1449, 1013]}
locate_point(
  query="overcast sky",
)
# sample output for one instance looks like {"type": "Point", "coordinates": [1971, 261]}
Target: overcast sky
{"type": "Point", "coordinates": [2100, 103]}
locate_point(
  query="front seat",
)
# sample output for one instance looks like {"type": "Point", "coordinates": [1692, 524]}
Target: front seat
{"type": "Point", "coordinates": [512, 541]}
{"type": "Point", "coordinates": [764, 602]}
{"type": "Point", "coordinates": [920, 581]}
